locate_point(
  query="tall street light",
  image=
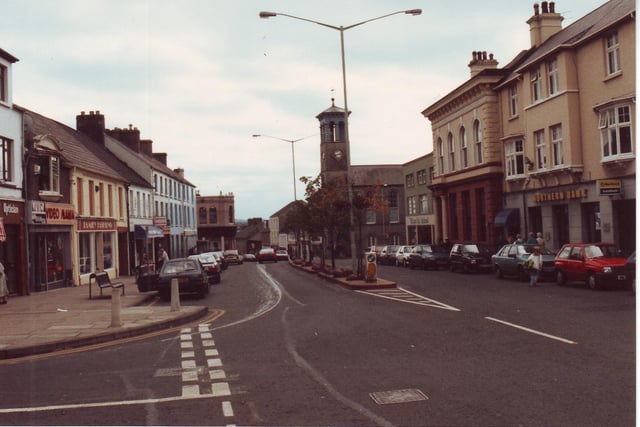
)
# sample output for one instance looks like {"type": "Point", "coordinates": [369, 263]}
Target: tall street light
{"type": "Point", "coordinates": [293, 155]}
{"type": "Point", "coordinates": [342, 29]}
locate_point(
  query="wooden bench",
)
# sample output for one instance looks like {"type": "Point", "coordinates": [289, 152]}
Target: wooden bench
{"type": "Point", "coordinates": [102, 280]}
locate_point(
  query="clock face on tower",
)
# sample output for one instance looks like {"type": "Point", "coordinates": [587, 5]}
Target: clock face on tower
{"type": "Point", "coordinates": [338, 155]}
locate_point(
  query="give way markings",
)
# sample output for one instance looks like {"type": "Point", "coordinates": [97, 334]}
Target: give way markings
{"type": "Point", "coordinates": [403, 295]}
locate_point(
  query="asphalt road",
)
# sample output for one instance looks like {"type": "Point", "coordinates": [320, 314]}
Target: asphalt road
{"type": "Point", "coordinates": [445, 349]}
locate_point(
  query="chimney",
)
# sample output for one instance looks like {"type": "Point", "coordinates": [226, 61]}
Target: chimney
{"type": "Point", "coordinates": [479, 62]}
{"type": "Point", "coordinates": [92, 125]}
{"type": "Point", "coordinates": [146, 147]}
{"type": "Point", "coordinates": [129, 137]}
{"type": "Point", "coordinates": [543, 24]}
{"type": "Point", "coordinates": [161, 157]}
{"type": "Point", "coordinates": [180, 172]}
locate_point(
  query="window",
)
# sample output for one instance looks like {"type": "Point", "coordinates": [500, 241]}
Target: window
{"type": "Point", "coordinates": [477, 141]}
{"type": "Point", "coordinates": [514, 158]}
{"type": "Point", "coordinates": [49, 177]}
{"type": "Point", "coordinates": [536, 85]}
{"type": "Point", "coordinates": [411, 205]}
{"type": "Point", "coordinates": [552, 76]}
{"type": "Point", "coordinates": [4, 83]}
{"type": "Point", "coordinates": [452, 152]}
{"type": "Point", "coordinates": [80, 189]}
{"type": "Point", "coordinates": [424, 204]}
{"type": "Point", "coordinates": [464, 157]}
{"type": "Point", "coordinates": [213, 216]}
{"type": "Point", "coordinates": [615, 132]}
{"type": "Point", "coordinates": [394, 211]}
{"type": "Point", "coordinates": [6, 160]}
{"type": "Point", "coordinates": [541, 149]}
{"type": "Point", "coordinates": [440, 156]}
{"type": "Point", "coordinates": [231, 216]}
{"type": "Point", "coordinates": [409, 180]}
{"type": "Point", "coordinates": [556, 145]}
{"type": "Point", "coordinates": [86, 259]}
{"type": "Point", "coordinates": [371, 216]}
{"type": "Point", "coordinates": [92, 198]}
{"type": "Point", "coordinates": [513, 100]}
{"type": "Point", "coordinates": [613, 53]}
{"type": "Point", "coordinates": [422, 176]}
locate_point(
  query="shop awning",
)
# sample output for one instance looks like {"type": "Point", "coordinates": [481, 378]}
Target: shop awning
{"type": "Point", "coordinates": [507, 218]}
{"type": "Point", "coordinates": [147, 232]}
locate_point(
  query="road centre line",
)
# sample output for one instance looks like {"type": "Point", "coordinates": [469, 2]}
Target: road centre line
{"type": "Point", "coordinates": [533, 331]}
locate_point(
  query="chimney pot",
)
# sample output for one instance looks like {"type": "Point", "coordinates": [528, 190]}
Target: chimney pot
{"type": "Point", "coordinates": [545, 8]}
{"type": "Point", "coordinates": [552, 7]}
{"type": "Point", "coordinates": [536, 9]}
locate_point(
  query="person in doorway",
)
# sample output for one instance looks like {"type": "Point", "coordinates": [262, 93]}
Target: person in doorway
{"type": "Point", "coordinates": [540, 239]}
{"type": "Point", "coordinates": [531, 240]}
{"type": "Point", "coordinates": [4, 290]}
{"type": "Point", "coordinates": [535, 265]}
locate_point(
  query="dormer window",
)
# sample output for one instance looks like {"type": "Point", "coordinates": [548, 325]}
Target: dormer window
{"type": "Point", "coordinates": [47, 167]}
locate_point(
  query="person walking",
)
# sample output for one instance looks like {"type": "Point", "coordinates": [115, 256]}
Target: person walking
{"type": "Point", "coordinates": [535, 265]}
{"type": "Point", "coordinates": [540, 239]}
{"type": "Point", "coordinates": [4, 290]}
{"type": "Point", "coordinates": [162, 258]}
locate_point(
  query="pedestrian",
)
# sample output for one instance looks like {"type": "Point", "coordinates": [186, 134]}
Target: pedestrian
{"type": "Point", "coordinates": [535, 265]}
{"type": "Point", "coordinates": [4, 290]}
{"type": "Point", "coordinates": [162, 258]}
{"type": "Point", "coordinates": [519, 240]}
{"type": "Point", "coordinates": [531, 240]}
{"type": "Point", "coordinates": [540, 239]}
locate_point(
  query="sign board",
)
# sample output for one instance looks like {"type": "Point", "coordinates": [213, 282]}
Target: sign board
{"type": "Point", "coordinates": [607, 187]}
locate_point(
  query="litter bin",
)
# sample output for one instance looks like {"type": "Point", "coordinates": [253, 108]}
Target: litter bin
{"type": "Point", "coordinates": [371, 269]}
{"type": "Point", "coordinates": [146, 277]}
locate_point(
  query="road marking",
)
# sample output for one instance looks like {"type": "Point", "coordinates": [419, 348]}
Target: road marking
{"type": "Point", "coordinates": [227, 409]}
{"type": "Point", "coordinates": [533, 331]}
{"type": "Point", "coordinates": [403, 295]}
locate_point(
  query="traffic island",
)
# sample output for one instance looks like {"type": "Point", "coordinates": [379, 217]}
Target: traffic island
{"type": "Point", "coordinates": [342, 277]}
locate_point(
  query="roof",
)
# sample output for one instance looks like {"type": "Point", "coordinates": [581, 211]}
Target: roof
{"type": "Point", "coordinates": [7, 56]}
{"type": "Point", "coordinates": [581, 31]}
{"type": "Point", "coordinates": [285, 210]}
{"type": "Point", "coordinates": [81, 151]}
{"type": "Point", "coordinates": [367, 175]}
{"type": "Point", "coordinates": [332, 110]}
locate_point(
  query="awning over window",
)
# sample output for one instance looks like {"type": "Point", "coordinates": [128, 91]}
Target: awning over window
{"type": "Point", "coordinates": [147, 232]}
{"type": "Point", "coordinates": [507, 218]}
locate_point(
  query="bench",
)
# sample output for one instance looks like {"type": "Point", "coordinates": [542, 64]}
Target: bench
{"type": "Point", "coordinates": [102, 280]}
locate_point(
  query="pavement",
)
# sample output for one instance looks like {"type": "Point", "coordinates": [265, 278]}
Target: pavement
{"type": "Point", "coordinates": [65, 318]}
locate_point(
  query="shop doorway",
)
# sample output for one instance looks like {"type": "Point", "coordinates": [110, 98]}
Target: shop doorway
{"type": "Point", "coordinates": [560, 225]}
{"type": "Point", "coordinates": [591, 222]}
{"type": "Point", "coordinates": [624, 213]}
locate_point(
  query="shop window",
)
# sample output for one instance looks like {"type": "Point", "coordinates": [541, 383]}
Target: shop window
{"type": "Point", "coordinates": [107, 249]}
{"type": "Point", "coordinates": [86, 258]}
{"type": "Point", "coordinates": [615, 132]}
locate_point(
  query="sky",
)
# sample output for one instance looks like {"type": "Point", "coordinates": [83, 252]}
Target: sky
{"type": "Point", "coordinates": [200, 77]}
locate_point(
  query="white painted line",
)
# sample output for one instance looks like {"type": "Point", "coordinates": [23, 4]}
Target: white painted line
{"type": "Point", "coordinates": [206, 336]}
{"type": "Point", "coordinates": [208, 343]}
{"type": "Point", "coordinates": [533, 331]}
{"type": "Point", "coordinates": [188, 364]}
{"type": "Point", "coordinates": [186, 344]}
{"type": "Point", "coordinates": [227, 409]}
{"type": "Point", "coordinates": [102, 404]}
{"type": "Point", "coordinates": [203, 328]}
{"type": "Point", "coordinates": [211, 352]}
{"type": "Point", "coordinates": [185, 337]}
{"type": "Point", "coordinates": [217, 374]}
{"type": "Point", "coordinates": [190, 390]}
{"type": "Point", "coordinates": [214, 363]}
{"type": "Point", "coordinates": [189, 375]}
{"type": "Point", "coordinates": [220, 389]}
{"type": "Point", "coordinates": [188, 354]}
{"type": "Point", "coordinates": [185, 330]}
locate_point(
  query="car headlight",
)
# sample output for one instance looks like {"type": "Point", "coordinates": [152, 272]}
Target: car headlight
{"type": "Point", "coordinates": [607, 269]}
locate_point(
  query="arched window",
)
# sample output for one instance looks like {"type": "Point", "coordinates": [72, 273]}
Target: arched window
{"type": "Point", "coordinates": [464, 156]}
{"type": "Point", "coordinates": [452, 152]}
{"type": "Point", "coordinates": [440, 154]}
{"type": "Point", "coordinates": [477, 141]}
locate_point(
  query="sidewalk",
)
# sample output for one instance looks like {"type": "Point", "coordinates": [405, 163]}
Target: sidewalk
{"type": "Point", "coordinates": [66, 318]}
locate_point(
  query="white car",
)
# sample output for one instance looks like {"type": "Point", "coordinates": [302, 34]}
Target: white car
{"type": "Point", "coordinates": [402, 254]}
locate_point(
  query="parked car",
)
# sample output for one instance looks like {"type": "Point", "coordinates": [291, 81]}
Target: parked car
{"type": "Point", "coordinates": [630, 269]}
{"type": "Point", "coordinates": [210, 265]}
{"type": "Point", "coordinates": [282, 255]}
{"type": "Point", "coordinates": [220, 258]}
{"type": "Point", "coordinates": [470, 257]}
{"type": "Point", "coordinates": [191, 276]}
{"type": "Point", "coordinates": [231, 256]}
{"type": "Point", "coordinates": [388, 255]}
{"type": "Point", "coordinates": [249, 258]}
{"type": "Point", "coordinates": [428, 256]}
{"type": "Point", "coordinates": [596, 264]}
{"type": "Point", "coordinates": [267, 254]}
{"type": "Point", "coordinates": [402, 255]}
{"type": "Point", "coordinates": [510, 261]}
{"type": "Point", "coordinates": [377, 250]}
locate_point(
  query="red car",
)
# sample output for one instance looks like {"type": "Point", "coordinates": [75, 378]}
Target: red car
{"type": "Point", "coordinates": [596, 264]}
{"type": "Point", "coordinates": [267, 254]}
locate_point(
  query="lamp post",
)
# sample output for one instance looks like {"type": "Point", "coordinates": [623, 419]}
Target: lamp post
{"type": "Point", "coordinates": [293, 155]}
{"type": "Point", "coordinates": [342, 29]}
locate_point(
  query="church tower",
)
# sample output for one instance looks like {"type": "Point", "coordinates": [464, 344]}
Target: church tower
{"type": "Point", "coordinates": [333, 143]}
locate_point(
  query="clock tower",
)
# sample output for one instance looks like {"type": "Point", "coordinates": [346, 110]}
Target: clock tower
{"type": "Point", "coordinates": [333, 144]}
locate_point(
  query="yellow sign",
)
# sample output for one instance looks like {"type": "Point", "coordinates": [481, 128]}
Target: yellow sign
{"type": "Point", "coordinates": [554, 196]}
{"type": "Point", "coordinates": [609, 186]}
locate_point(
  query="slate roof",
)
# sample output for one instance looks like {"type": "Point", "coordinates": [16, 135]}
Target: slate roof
{"type": "Point", "coordinates": [367, 175]}
{"type": "Point", "coordinates": [79, 150]}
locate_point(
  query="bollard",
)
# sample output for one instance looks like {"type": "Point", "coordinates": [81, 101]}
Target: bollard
{"type": "Point", "coordinates": [175, 295]}
{"type": "Point", "coordinates": [116, 322]}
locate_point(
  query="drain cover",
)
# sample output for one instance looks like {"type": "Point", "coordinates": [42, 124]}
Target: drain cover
{"type": "Point", "coordinates": [398, 396]}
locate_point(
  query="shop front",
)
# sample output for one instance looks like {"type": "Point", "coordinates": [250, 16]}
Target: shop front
{"type": "Point", "coordinates": [49, 228]}
{"type": "Point", "coordinates": [12, 246]}
{"type": "Point", "coordinates": [96, 245]}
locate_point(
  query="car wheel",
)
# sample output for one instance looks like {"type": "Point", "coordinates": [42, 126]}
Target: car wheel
{"type": "Point", "coordinates": [498, 272]}
{"type": "Point", "coordinates": [561, 279]}
{"type": "Point", "coordinates": [592, 283]}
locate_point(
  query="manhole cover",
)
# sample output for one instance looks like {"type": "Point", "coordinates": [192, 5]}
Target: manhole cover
{"type": "Point", "coordinates": [398, 396]}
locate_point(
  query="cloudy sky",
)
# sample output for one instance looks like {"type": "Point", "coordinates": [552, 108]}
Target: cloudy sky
{"type": "Point", "coordinates": [200, 77]}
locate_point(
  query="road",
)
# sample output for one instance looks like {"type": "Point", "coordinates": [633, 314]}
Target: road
{"type": "Point", "coordinates": [292, 349]}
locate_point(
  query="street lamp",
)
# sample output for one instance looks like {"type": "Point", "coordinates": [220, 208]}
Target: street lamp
{"type": "Point", "coordinates": [342, 29]}
{"type": "Point", "coordinates": [293, 156]}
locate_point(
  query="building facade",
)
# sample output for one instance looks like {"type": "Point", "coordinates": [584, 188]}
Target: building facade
{"type": "Point", "coordinates": [216, 222]}
{"type": "Point", "coordinates": [420, 220]}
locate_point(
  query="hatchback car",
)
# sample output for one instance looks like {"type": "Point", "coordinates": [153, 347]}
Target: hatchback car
{"type": "Point", "coordinates": [596, 264]}
{"type": "Point", "coordinates": [428, 257]}
{"type": "Point", "coordinates": [210, 265]}
{"type": "Point", "coordinates": [469, 257]}
{"type": "Point", "coordinates": [267, 254]}
{"type": "Point", "coordinates": [510, 261]}
{"type": "Point", "coordinates": [388, 255]}
{"type": "Point", "coordinates": [191, 276]}
{"type": "Point", "coordinates": [402, 255]}
{"type": "Point", "coordinates": [231, 256]}
{"type": "Point", "coordinates": [282, 255]}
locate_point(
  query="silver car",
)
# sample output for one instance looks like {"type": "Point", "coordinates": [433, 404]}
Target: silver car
{"type": "Point", "coordinates": [402, 255]}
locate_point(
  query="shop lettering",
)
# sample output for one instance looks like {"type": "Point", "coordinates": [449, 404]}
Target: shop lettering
{"type": "Point", "coordinates": [560, 195]}
{"type": "Point", "coordinates": [10, 208]}
{"type": "Point", "coordinates": [59, 213]}
{"type": "Point", "coordinates": [96, 225]}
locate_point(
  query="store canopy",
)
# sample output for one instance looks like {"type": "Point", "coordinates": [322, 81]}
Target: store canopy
{"type": "Point", "coordinates": [147, 232]}
{"type": "Point", "coordinates": [507, 218]}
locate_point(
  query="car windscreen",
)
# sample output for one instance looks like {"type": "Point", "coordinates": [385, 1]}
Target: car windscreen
{"type": "Point", "coordinates": [178, 267]}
